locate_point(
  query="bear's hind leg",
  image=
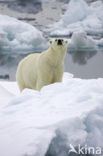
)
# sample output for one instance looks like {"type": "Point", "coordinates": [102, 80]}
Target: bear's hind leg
{"type": "Point", "coordinates": [21, 86]}
{"type": "Point", "coordinates": [41, 84]}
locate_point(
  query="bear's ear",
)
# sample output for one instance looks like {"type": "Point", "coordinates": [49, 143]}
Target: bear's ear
{"type": "Point", "coordinates": [50, 42]}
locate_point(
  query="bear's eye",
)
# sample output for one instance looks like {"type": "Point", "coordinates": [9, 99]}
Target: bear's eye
{"type": "Point", "coordinates": [56, 40]}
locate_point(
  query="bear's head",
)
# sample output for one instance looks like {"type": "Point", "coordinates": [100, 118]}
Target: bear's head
{"type": "Point", "coordinates": [59, 44]}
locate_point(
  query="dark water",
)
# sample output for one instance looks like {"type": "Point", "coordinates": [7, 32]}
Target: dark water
{"type": "Point", "coordinates": [85, 64]}
{"type": "Point", "coordinates": [82, 64]}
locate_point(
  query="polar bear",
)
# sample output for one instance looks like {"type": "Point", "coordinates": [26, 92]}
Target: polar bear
{"type": "Point", "coordinates": [41, 69]}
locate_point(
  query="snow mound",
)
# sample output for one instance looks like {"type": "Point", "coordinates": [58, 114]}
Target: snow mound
{"type": "Point", "coordinates": [76, 11]}
{"type": "Point", "coordinates": [17, 35]}
{"type": "Point", "coordinates": [80, 16]}
{"type": "Point", "coordinates": [4, 93]}
{"type": "Point", "coordinates": [80, 40]}
{"type": "Point", "coordinates": [10, 87]}
{"type": "Point", "coordinates": [46, 122]}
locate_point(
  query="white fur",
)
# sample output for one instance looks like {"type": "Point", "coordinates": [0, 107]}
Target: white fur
{"type": "Point", "coordinates": [40, 69]}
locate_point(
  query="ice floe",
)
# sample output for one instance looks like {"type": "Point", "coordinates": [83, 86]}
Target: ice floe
{"type": "Point", "coordinates": [80, 40]}
{"type": "Point", "coordinates": [46, 123]}
{"type": "Point", "coordinates": [80, 16]}
{"type": "Point", "coordinates": [16, 35]}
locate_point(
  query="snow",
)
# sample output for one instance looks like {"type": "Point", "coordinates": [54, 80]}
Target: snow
{"type": "Point", "coordinates": [76, 11]}
{"type": "Point", "coordinates": [16, 35]}
{"type": "Point", "coordinates": [8, 85]}
{"type": "Point", "coordinates": [80, 40]}
{"type": "Point", "coordinates": [80, 16]}
{"type": "Point", "coordinates": [32, 123]}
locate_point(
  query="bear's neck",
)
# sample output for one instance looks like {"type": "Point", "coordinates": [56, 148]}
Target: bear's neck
{"type": "Point", "coordinates": [55, 58]}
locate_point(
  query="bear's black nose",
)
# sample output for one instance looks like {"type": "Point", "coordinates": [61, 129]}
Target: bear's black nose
{"type": "Point", "coordinates": [59, 42]}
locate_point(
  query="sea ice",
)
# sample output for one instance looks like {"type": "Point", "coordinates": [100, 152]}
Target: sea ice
{"type": "Point", "coordinates": [80, 16]}
{"type": "Point", "coordinates": [80, 40]}
{"type": "Point", "coordinates": [16, 35]}
{"type": "Point", "coordinates": [99, 42]}
{"type": "Point", "coordinates": [45, 123]}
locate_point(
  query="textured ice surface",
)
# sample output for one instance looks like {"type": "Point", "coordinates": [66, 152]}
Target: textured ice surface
{"type": "Point", "coordinates": [80, 16]}
{"type": "Point", "coordinates": [17, 35]}
{"type": "Point", "coordinates": [80, 40]}
{"type": "Point", "coordinates": [35, 123]}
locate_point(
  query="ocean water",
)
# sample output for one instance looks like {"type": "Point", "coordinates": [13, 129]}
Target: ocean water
{"type": "Point", "coordinates": [83, 64]}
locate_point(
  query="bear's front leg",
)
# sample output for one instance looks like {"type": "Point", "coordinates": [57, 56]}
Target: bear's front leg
{"type": "Point", "coordinates": [45, 77]}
